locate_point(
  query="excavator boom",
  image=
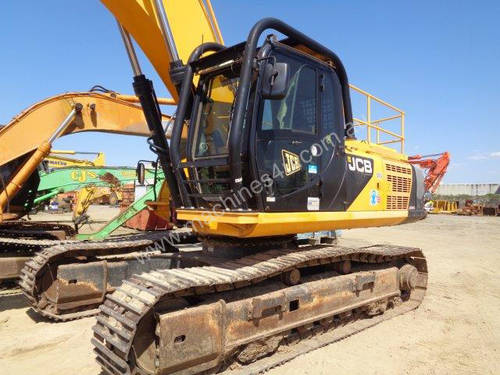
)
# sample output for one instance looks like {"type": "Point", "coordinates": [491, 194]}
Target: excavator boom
{"type": "Point", "coordinates": [31, 133]}
{"type": "Point", "coordinates": [435, 165]}
{"type": "Point", "coordinates": [100, 112]}
{"type": "Point", "coordinates": [192, 22]}
{"type": "Point", "coordinates": [56, 160]}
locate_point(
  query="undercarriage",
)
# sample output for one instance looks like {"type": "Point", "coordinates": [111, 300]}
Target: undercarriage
{"type": "Point", "coordinates": [69, 280]}
{"type": "Point", "coordinates": [235, 312]}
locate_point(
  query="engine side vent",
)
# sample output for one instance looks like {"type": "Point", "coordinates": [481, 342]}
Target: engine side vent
{"type": "Point", "coordinates": [399, 184]}
{"type": "Point", "coordinates": [399, 177]}
{"type": "Point", "coordinates": [398, 169]}
{"type": "Point", "coordinates": [397, 202]}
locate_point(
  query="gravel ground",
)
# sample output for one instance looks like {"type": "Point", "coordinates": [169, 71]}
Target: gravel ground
{"type": "Point", "coordinates": [456, 329]}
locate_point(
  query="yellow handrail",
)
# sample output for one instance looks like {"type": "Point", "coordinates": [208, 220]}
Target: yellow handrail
{"type": "Point", "coordinates": [377, 124]}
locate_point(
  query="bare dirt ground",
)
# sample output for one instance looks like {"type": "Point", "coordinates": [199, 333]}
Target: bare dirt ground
{"type": "Point", "coordinates": [455, 331]}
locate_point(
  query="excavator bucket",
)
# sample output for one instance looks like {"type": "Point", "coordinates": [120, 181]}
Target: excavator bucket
{"type": "Point", "coordinates": [192, 23]}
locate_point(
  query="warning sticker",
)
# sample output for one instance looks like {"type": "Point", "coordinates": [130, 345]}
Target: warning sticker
{"type": "Point", "coordinates": [313, 203]}
{"type": "Point", "coordinates": [374, 197]}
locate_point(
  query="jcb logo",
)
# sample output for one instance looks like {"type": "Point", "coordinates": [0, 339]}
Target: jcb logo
{"type": "Point", "coordinates": [355, 163]}
{"type": "Point", "coordinates": [291, 162]}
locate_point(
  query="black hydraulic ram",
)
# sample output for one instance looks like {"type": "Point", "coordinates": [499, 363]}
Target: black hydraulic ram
{"type": "Point", "coordinates": [144, 90]}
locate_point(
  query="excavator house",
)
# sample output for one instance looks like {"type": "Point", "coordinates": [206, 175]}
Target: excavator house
{"type": "Point", "coordinates": [270, 152]}
{"type": "Point", "coordinates": [271, 138]}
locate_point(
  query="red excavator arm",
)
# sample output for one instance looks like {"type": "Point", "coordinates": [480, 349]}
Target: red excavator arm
{"type": "Point", "coordinates": [435, 164]}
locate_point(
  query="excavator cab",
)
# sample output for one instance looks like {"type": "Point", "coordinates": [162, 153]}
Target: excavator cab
{"type": "Point", "coordinates": [267, 137]}
{"type": "Point", "coordinates": [291, 134]}
{"type": "Point", "coordinates": [266, 126]}
{"type": "Point", "coordinates": [270, 147]}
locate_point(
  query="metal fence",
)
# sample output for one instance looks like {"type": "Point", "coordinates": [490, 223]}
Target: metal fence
{"type": "Point", "coordinates": [382, 136]}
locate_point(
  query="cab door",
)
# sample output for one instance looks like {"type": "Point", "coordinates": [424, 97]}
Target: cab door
{"type": "Point", "coordinates": [333, 179]}
{"type": "Point", "coordinates": [287, 141]}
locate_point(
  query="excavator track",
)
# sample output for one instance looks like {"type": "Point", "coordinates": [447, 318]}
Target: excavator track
{"type": "Point", "coordinates": [7, 290]}
{"type": "Point", "coordinates": [235, 312]}
{"type": "Point", "coordinates": [22, 243]}
{"type": "Point", "coordinates": [93, 268]}
{"type": "Point", "coordinates": [19, 240]}
{"type": "Point", "coordinates": [28, 236]}
{"type": "Point", "coordinates": [36, 229]}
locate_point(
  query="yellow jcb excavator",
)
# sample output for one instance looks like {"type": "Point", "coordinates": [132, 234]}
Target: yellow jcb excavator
{"type": "Point", "coordinates": [270, 152]}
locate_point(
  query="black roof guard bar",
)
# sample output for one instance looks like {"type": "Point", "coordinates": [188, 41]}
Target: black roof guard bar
{"type": "Point", "coordinates": [243, 94]}
{"type": "Point", "coordinates": [246, 75]}
{"type": "Point", "coordinates": [181, 115]}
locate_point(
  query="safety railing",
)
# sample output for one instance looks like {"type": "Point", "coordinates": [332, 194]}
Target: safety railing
{"type": "Point", "coordinates": [383, 136]}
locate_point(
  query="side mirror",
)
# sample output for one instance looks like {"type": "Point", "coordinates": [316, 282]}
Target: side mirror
{"type": "Point", "coordinates": [141, 173]}
{"type": "Point", "coordinates": [275, 81]}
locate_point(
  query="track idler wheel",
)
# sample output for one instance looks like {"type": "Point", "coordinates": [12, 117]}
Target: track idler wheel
{"type": "Point", "coordinates": [408, 276]}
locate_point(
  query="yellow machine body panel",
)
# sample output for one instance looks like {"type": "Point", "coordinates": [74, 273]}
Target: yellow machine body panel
{"type": "Point", "coordinates": [192, 23]}
{"type": "Point", "coordinates": [161, 206]}
{"type": "Point", "coordinates": [390, 186]}
{"type": "Point", "coordinates": [91, 193]}
{"type": "Point", "coordinates": [383, 201]}
{"type": "Point", "coordinates": [262, 224]}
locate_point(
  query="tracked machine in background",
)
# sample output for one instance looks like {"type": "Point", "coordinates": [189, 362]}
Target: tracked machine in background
{"type": "Point", "coordinates": [270, 153]}
{"type": "Point", "coordinates": [55, 117]}
{"type": "Point", "coordinates": [68, 279]}
{"type": "Point", "coordinates": [89, 184]}
{"type": "Point", "coordinates": [25, 152]}
{"type": "Point", "coordinates": [435, 166]}
{"type": "Point", "coordinates": [58, 159]}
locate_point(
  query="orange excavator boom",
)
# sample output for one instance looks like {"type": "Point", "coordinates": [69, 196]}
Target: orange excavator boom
{"type": "Point", "coordinates": [436, 166]}
{"type": "Point", "coordinates": [28, 138]}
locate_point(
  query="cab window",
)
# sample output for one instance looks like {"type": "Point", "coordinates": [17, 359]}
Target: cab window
{"type": "Point", "coordinates": [297, 110]}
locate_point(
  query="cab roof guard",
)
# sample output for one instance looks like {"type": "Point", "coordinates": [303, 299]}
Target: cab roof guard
{"type": "Point", "coordinates": [246, 75]}
{"type": "Point", "coordinates": [243, 94]}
